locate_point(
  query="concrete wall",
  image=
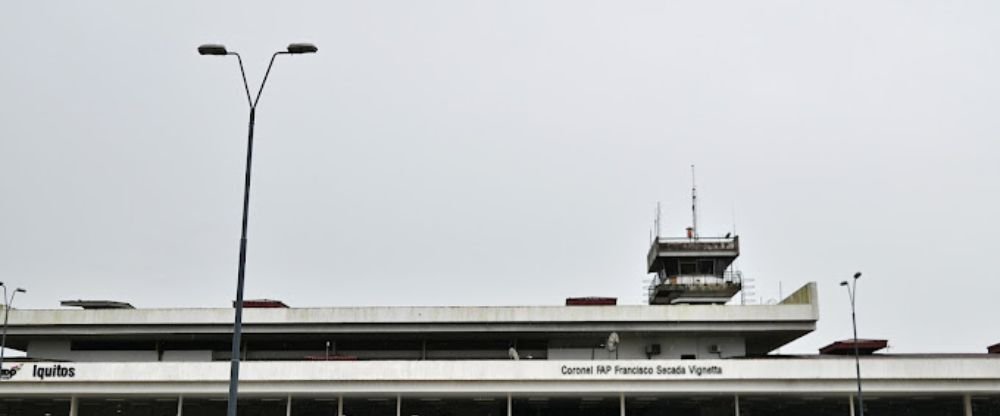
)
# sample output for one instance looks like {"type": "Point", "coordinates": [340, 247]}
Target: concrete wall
{"type": "Point", "coordinates": [196, 355]}
{"type": "Point", "coordinates": [673, 347]}
{"type": "Point", "coordinates": [575, 353]}
{"type": "Point", "coordinates": [112, 356]}
{"type": "Point", "coordinates": [633, 347]}
{"type": "Point", "coordinates": [59, 350]}
{"type": "Point", "coordinates": [48, 350]}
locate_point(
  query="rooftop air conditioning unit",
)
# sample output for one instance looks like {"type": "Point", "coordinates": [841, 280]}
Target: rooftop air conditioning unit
{"type": "Point", "coordinates": [652, 349]}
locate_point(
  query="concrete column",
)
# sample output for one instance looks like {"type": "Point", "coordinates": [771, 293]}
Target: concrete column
{"type": "Point", "coordinates": [850, 402]}
{"type": "Point", "coordinates": [967, 404]}
{"type": "Point", "coordinates": [288, 406]}
{"type": "Point", "coordinates": [736, 405]}
{"type": "Point", "coordinates": [510, 405]}
{"type": "Point", "coordinates": [180, 405]}
{"type": "Point", "coordinates": [399, 405]}
{"type": "Point", "coordinates": [74, 406]}
{"type": "Point", "coordinates": [621, 404]}
{"type": "Point", "coordinates": [340, 405]}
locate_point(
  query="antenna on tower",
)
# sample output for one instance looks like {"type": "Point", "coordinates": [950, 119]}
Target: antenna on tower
{"type": "Point", "coordinates": [694, 205]}
{"type": "Point", "coordinates": [659, 213]}
{"type": "Point", "coordinates": [734, 217]}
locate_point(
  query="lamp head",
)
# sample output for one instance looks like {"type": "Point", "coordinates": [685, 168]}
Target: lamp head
{"type": "Point", "coordinates": [20, 290]}
{"type": "Point", "coordinates": [844, 283]}
{"type": "Point", "coordinates": [212, 49]}
{"type": "Point", "coordinates": [297, 48]}
{"type": "Point", "coordinates": [857, 275]}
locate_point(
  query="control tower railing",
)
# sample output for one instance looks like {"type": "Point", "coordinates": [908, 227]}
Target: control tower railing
{"type": "Point", "coordinates": [707, 288]}
{"type": "Point", "coordinates": [730, 277]}
{"type": "Point", "coordinates": [699, 243]}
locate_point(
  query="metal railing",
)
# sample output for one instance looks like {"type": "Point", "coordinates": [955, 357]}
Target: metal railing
{"type": "Point", "coordinates": [729, 278]}
{"type": "Point", "coordinates": [697, 239]}
{"type": "Point", "coordinates": [667, 244]}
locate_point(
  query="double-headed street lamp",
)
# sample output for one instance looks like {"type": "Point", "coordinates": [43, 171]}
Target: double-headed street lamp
{"type": "Point", "coordinates": [220, 50]}
{"type": "Point", "coordinates": [6, 311]}
{"type": "Point", "coordinates": [852, 289]}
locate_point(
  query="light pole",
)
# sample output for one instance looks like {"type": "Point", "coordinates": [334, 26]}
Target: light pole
{"type": "Point", "coordinates": [220, 50]}
{"type": "Point", "coordinates": [6, 311]}
{"type": "Point", "coordinates": [852, 290]}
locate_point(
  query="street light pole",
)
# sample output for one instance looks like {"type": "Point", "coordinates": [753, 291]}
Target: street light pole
{"type": "Point", "coordinates": [6, 311]}
{"type": "Point", "coordinates": [234, 360]}
{"type": "Point", "coordinates": [852, 289]}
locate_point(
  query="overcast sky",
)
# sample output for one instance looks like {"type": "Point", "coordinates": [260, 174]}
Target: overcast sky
{"type": "Point", "coordinates": [507, 153]}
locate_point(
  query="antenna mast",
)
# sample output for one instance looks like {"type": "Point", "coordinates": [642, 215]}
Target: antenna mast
{"type": "Point", "coordinates": [694, 205]}
{"type": "Point", "coordinates": [734, 217]}
{"type": "Point", "coordinates": [659, 212]}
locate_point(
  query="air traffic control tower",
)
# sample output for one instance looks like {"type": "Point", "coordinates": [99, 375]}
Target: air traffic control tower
{"type": "Point", "coordinates": [693, 269]}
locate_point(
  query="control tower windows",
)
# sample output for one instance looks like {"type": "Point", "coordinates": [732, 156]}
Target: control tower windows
{"type": "Point", "coordinates": [706, 267]}
{"type": "Point", "coordinates": [693, 267]}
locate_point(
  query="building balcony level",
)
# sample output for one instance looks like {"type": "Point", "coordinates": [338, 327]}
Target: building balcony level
{"type": "Point", "coordinates": [710, 289]}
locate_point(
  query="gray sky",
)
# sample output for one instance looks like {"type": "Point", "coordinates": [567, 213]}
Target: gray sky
{"type": "Point", "coordinates": [507, 152]}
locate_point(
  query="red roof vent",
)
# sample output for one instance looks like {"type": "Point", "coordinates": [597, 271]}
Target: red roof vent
{"type": "Point", "coordinates": [262, 303]}
{"type": "Point", "coordinates": [993, 349]}
{"type": "Point", "coordinates": [591, 301]}
{"type": "Point", "coordinates": [846, 347]}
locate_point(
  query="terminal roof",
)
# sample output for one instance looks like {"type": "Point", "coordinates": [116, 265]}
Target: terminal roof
{"type": "Point", "coordinates": [97, 304]}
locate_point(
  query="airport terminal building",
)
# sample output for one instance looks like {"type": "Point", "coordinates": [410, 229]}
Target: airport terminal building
{"type": "Point", "coordinates": [685, 353]}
